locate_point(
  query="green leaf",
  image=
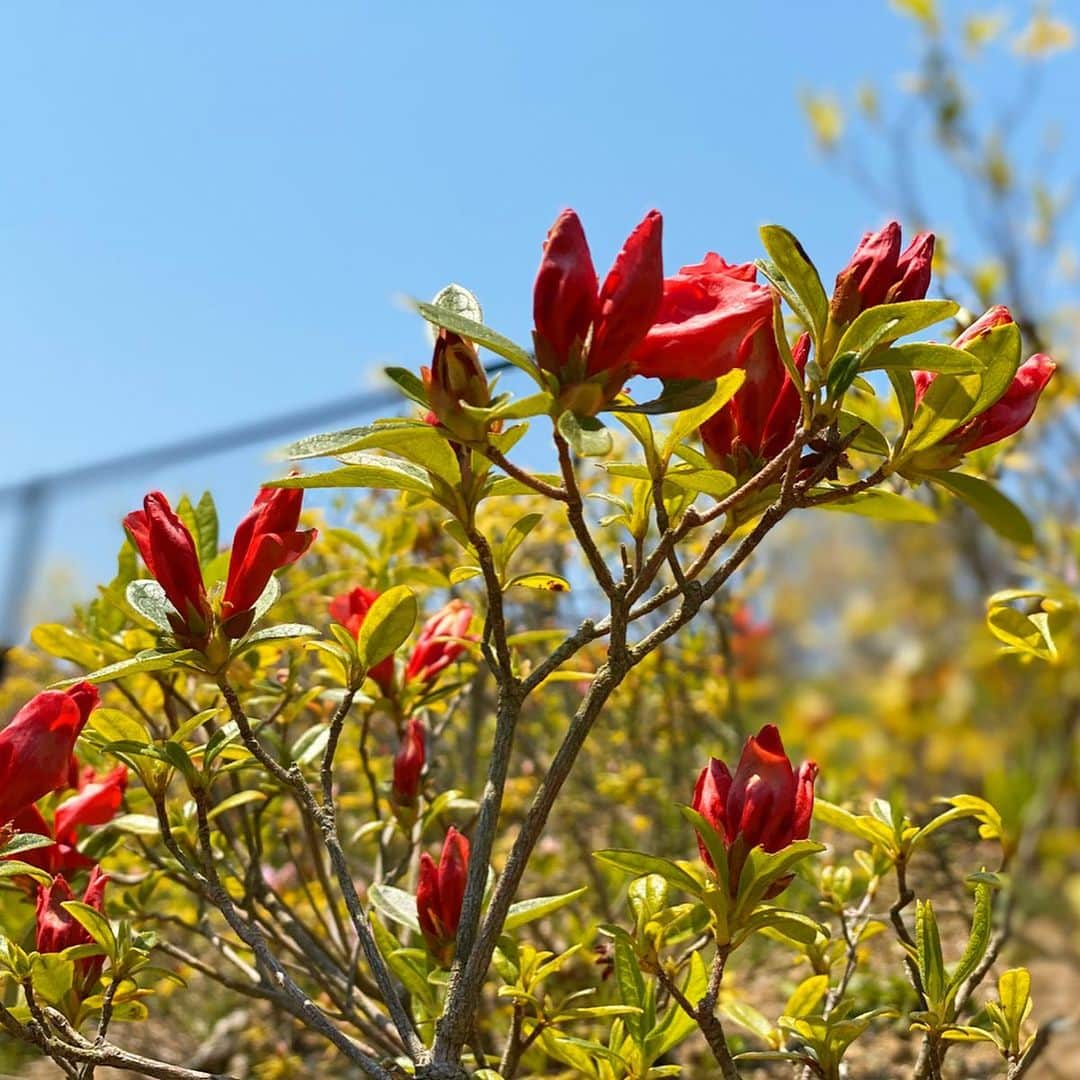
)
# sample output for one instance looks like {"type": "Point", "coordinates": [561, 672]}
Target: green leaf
{"type": "Point", "coordinates": [15, 867]}
{"type": "Point", "coordinates": [1023, 633]}
{"type": "Point", "coordinates": [676, 396]}
{"type": "Point", "coordinates": [24, 842]}
{"type": "Point", "coordinates": [396, 905]}
{"type": "Point", "coordinates": [586, 435]}
{"type": "Point", "coordinates": [638, 863]}
{"type": "Point", "coordinates": [206, 531]}
{"type": "Point", "coordinates": [713, 482]}
{"type": "Point", "coordinates": [995, 509]}
{"type": "Point", "coordinates": [420, 443]}
{"type": "Point", "coordinates": [807, 996]}
{"type": "Point", "coordinates": [477, 333]}
{"type": "Point", "coordinates": [333, 443]}
{"type": "Point", "coordinates": [388, 623]}
{"type": "Point", "coordinates": [149, 660]}
{"type": "Point", "coordinates": [148, 598]}
{"type": "Point", "coordinates": [239, 798]}
{"type": "Point", "coordinates": [928, 948]}
{"type": "Point", "coordinates": [868, 440]}
{"type": "Point", "coordinates": [892, 321]}
{"type": "Point", "coordinates": [115, 726]}
{"type": "Point", "coordinates": [688, 421]}
{"type": "Point", "coordinates": [541, 582]}
{"type": "Point", "coordinates": [281, 632]}
{"type": "Point", "coordinates": [923, 356]}
{"type": "Point", "coordinates": [94, 923]}
{"type": "Point", "coordinates": [366, 471]}
{"type": "Point", "coordinates": [883, 505]}
{"type": "Point", "coordinates": [978, 939]}
{"type": "Point", "coordinates": [53, 975]}
{"type": "Point", "coordinates": [746, 1016]}
{"type": "Point", "coordinates": [796, 277]}
{"type": "Point", "coordinates": [792, 924]}
{"type": "Point", "coordinates": [67, 644]}
{"type": "Point", "coordinates": [952, 400]}
{"type": "Point", "coordinates": [842, 372]}
{"type": "Point", "coordinates": [515, 536]}
{"type": "Point", "coordinates": [526, 911]}
{"type": "Point", "coordinates": [412, 387]}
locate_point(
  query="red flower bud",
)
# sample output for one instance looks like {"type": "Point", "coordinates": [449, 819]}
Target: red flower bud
{"type": "Point", "coordinates": [57, 930]}
{"type": "Point", "coordinates": [350, 609]}
{"type": "Point", "coordinates": [913, 267]}
{"type": "Point", "coordinates": [761, 419]}
{"type": "Point", "coordinates": [439, 895]}
{"type": "Point", "coordinates": [456, 378]}
{"type": "Point", "coordinates": [764, 804]}
{"type": "Point", "coordinates": [35, 748]}
{"type": "Point", "coordinates": [170, 555]}
{"type": "Point", "coordinates": [707, 311]}
{"type": "Point", "coordinates": [566, 304]}
{"type": "Point", "coordinates": [1013, 409]}
{"type": "Point", "coordinates": [443, 638]}
{"type": "Point", "coordinates": [409, 764]}
{"type": "Point", "coordinates": [565, 292]}
{"type": "Point", "coordinates": [266, 540]}
{"type": "Point", "coordinates": [879, 273]}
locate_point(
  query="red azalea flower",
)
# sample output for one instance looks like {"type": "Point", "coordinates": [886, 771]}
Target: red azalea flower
{"type": "Point", "coordinates": [35, 748]}
{"type": "Point", "coordinates": [170, 555]}
{"type": "Point", "coordinates": [409, 764]}
{"type": "Point", "coordinates": [707, 311]}
{"type": "Point", "coordinates": [764, 804]}
{"type": "Point", "coordinates": [880, 273]}
{"type": "Point", "coordinates": [439, 895]}
{"type": "Point", "coordinates": [266, 540]}
{"type": "Point", "coordinates": [57, 930]}
{"type": "Point", "coordinates": [584, 329]}
{"type": "Point", "coordinates": [443, 638]}
{"type": "Point", "coordinates": [761, 419]}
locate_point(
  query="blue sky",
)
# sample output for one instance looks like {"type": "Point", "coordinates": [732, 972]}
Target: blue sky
{"type": "Point", "coordinates": [207, 211]}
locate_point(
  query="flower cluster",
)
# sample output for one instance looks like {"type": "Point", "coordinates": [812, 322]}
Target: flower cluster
{"type": "Point", "coordinates": [592, 337]}
{"type": "Point", "coordinates": [36, 760]}
{"type": "Point", "coordinates": [267, 539]}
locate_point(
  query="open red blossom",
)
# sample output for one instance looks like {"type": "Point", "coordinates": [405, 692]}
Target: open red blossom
{"type": "Point", "coordinates": [568, 302]}
{"type": "Point", "coordinates": [350, 609]}
{"type": "Point", "coordinates": [764, 804]}
{"type": "Point", "coordinates": [409, 764]}
{"type": "Point", "coordinates": [1013, 409]}
{"type": "Point", "coordinates": [880, 273]}
{"type": "Point", "coordinates": [760, 420]}
{"type": "Point", "coordinates": [170, 555]}
{"type": "Point", "coordinates": [707, 311]}
{"type": "Point", "coordinates": [96, 803]}
{"type": "Point", "coordinates": [439, 895]}
{"type": "Point", "coordinates": [57, 930]}
{"type": "Point", "coordinates": [443, 638]}
{"type": "Point", "coordinates": [35, 748]}
{"type": "Point", "coordinates": [266, 540]}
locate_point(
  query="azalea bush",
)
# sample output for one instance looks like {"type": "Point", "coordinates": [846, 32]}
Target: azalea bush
{"type": "Point", "coordinates": [344, 771]}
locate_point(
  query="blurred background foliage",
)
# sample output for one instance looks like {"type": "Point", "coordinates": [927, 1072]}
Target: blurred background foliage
{"type": "Point", "coordinates": [868, 645]}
